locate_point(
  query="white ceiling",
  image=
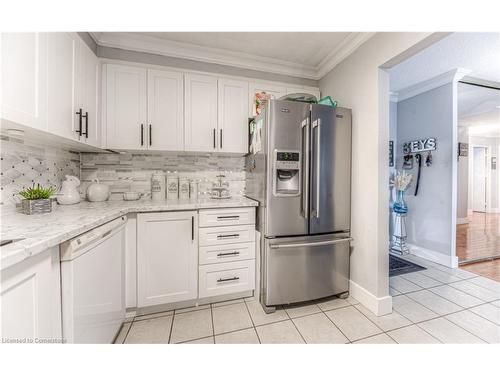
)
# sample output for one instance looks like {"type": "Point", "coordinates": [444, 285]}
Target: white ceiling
{"type": "Point", "coordinates": [479, 110]}
{"type": "Point", "coordinates": [300, 54]}
{"type": "Point", "coordinates": [477, 52]}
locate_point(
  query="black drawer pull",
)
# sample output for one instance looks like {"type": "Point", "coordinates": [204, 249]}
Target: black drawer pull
{"type": "Point", "coordinates": [228, 254]}
{"type": "Point", "coordinates": [234, 217]}
{"type": "Point", "coordinates": [86, 116]}
{"type": "Point", "coordinates": [221, 236]}
{"type": "Point", "coordinates": [228, 279]}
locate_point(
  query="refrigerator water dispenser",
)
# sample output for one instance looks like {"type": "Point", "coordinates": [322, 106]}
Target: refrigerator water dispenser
{"type": "Point", "coordinates": [286, 173]}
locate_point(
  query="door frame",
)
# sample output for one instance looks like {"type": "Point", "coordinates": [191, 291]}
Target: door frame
{"type": "Point", "coordinates": [487, 174]}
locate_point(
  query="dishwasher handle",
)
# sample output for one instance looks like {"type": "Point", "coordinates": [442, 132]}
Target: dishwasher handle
{"type": "Point", "coordinates": [78, 246]}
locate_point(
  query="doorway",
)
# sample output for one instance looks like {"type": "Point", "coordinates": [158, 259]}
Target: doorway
{"type": "Point", "coordinates": [478, 206]}
{"type": "Point", "coordinates": [479, 178]}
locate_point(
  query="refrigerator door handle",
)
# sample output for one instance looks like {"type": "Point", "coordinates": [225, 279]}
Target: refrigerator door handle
{"type": "Point", "coordinates": [317, 125]}
{"type": "Point", "coordinates": [305, 176]}
{"type": "Point", "coordinates": [310, 244]}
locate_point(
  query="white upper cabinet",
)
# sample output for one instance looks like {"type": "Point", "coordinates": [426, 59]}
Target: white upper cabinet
{"type": "Point", "coordinates": [275, 91]}
{"type": "Point", "coordinates": [233, 116]}
{"type": "Point", "coordinates": [200, 130]}
{"type": "Point", "coordinates": [61, 84]}
{"type": "Point", "coordinates": [126, 107]}
{"type": "Point", "coordinates": [89, 81]}
{"type": "Point", "coordinates": [24, 65]}
{"type": "Point", "coordinates": [165, 110]}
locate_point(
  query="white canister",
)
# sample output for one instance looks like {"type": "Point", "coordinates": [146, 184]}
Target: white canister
{"type": "Point", "coordinates": [172, 186]}
{"type": "Point", "coordinates": [158, 185]}
{"type": "Point", "coordinates": [193, 189]}
{"type": "Point", "coordinates": [183, 188]}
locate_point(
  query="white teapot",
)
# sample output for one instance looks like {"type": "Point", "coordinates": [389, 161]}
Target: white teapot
{"type": "Point", "coordinates": [97, 192]}
{"type": "Point", "coordinates": [69, 193]}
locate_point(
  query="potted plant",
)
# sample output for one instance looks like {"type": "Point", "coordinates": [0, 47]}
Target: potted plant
{"type": "Point", "coordinates": [37, 199]}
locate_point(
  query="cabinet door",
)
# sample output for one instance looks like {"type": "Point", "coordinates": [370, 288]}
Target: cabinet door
{"type": "Point", "coordinates": [126, 122]}
{"type": "Point", "coordinates": [165, 110]}
{"type": "Point", "coordinates": [254, 88]}
{"type": "Point", "coordinates": [200, 132]}
{"type": "Point", "coordinates": [61, 84]}
{"type": "Point", "coordinates": [31, 298]}
{"type": "Point", "coordinates": [167, 262]}
{"type": "Point", "coordinates": [89, 81]}
{"type": "Point", "coordinates": [233, 116]}
{"type": "Point", "coordinates": [23, 62]}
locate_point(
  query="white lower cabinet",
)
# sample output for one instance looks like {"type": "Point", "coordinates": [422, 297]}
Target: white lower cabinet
{"type": "Point", "coordinates": [167, 257]}
{"type": "Point", "coordinates": [31, 299]}
{"type": "Point", "coordinates": [226, 278]}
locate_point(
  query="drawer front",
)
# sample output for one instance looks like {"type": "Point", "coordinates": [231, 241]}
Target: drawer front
{"type": "Point", "coordinates": [226, 235]}
{"type": "Point", "coordinates": [227, 253]}
{"type": "Point", "coordinates": [226, 278]}
{"type": "Point", "coordinates": [227, 216]}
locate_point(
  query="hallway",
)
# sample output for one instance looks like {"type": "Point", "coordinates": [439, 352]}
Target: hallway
{"type": "Point", "coordinates": [480, 238]}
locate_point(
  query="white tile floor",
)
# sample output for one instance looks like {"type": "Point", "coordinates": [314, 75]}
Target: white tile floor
{"type": "Point", "coordinates": [437, 305]}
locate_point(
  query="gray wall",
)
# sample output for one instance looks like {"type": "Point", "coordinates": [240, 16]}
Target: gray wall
{"type": "Point", "coordinates": [430, 114]}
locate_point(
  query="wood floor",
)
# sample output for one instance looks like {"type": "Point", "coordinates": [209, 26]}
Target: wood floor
{"type": "Point", "coordinates": [489, 269]}
{"type": "Point", "coordinates": [480, 238]}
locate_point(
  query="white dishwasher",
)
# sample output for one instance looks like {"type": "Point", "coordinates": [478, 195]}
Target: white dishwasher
{"type": "Point", "coordinates": [93, 284]}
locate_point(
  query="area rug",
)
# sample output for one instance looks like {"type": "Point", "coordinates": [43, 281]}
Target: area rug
{"type": "Point", "coordinates": [399, 266]}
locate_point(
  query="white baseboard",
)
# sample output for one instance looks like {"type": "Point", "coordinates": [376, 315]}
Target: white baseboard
{"type": "Point", "coordinates": [434, 256]}
{"type": "Point", "coordinates": [462, 220]}
{"type": "Point", "coordinates": [379, 306]}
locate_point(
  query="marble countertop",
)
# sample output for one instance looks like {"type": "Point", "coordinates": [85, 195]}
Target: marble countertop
{"type": "Point", "coordinates": [41, 232]}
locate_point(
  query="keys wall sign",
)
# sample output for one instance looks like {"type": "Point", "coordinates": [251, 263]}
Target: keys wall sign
{"type": "Point", "coordinates": [421, 145]}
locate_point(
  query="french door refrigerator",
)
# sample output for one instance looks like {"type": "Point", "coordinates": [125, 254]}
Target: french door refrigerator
{"type": "Point", "coordinates": [301, 177]}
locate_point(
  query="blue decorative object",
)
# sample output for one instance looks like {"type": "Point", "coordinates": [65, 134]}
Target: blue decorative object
{"type": "Point", "coordinates": [399, 205]}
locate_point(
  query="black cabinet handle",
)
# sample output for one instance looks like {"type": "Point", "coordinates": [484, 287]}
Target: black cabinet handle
{"type": "Point", "coordinates": [228, 279]}
{"type": "Point", "coordinates": [227, 254]}
{"type": "Point", "coordinates": [150, 136]}
{"type": "Point", "coordinates": [192, 228]}
{"type": "Point", "coordinates": [142, 134]}
{"type": "Point", "coordinates": [232, 217]}
{"type": "Point", "coordinates": [221, 236]}
{"type": "Point", "coordinates": [221, 138]}
{"type": "Point", "coordinates": [214, 138]}
{"type": "Point", "coordinates": [86, 115]}
{"type": "Point", "coordinates": [79, 130]}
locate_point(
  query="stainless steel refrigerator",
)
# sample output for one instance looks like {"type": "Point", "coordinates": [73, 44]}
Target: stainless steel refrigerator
{"type": "Point", "coordinates": [301, 177]}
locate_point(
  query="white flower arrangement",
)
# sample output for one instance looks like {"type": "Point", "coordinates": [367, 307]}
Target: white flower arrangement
{"type": "Point", "coordinates": [402, 180]}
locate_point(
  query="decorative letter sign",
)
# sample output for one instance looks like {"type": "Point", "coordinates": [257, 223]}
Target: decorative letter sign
{"type": "Point", "coordinates": [422, 145]}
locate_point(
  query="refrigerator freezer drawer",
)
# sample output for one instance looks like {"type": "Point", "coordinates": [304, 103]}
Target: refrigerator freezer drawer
{"type": "Point", "coordinates": [305, 268]}
{"type": "Point", "coordinates": [226, 278]}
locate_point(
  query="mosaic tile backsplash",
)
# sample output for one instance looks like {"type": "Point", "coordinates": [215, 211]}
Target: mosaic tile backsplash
{"type": "Point", "coordinates": [25, 164]}
{"type": "Point", "coordinates": [132, 172]}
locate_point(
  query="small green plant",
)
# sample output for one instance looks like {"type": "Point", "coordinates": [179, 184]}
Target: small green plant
{"type": "Point", "coordinates": [37, 192]}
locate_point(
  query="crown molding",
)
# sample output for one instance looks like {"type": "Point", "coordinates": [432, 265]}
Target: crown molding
{"type": "Point", "coordinates": [352, 42]}
{"type": "Point", "coordinates": [150, 44]}
{"type": "Point", "coordinates": [452, 76]}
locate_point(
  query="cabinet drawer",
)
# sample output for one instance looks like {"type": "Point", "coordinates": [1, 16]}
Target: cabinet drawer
{"type": "Point", "coordinates": [226, 278]}
{"type": "Point", "coordinates": [228, 216]}
{"type": "Point", "coordinates": [226, 235]}
{"type": "Point", "coordinates": [227, 253]}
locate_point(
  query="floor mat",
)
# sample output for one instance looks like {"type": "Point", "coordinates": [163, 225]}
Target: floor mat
{"type": "Point", "coordinates": [398, 266]}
